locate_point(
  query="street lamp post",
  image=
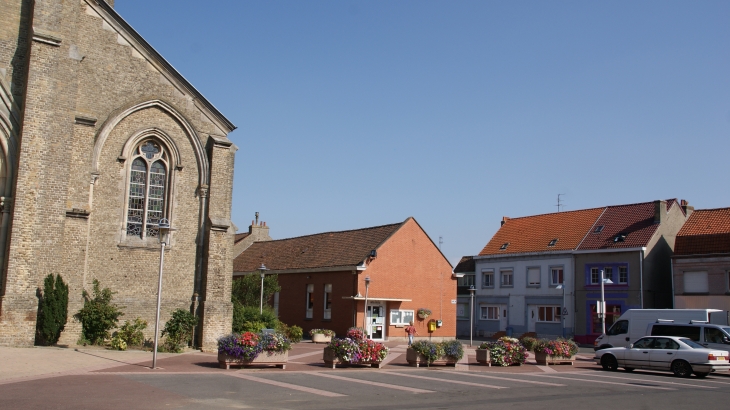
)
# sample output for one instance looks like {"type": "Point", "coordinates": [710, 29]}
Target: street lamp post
{"type": "Point", "coordinates": [164, 229]}
{"type": "Point", "coordinates": [365, 313]}
{"type": "Point", "coordinates": [262, 271]}
{"type": "Point", "coordinates": [471, 315]}
{"type": "Point", "coordinates": [563, 311]}
{"type": "Point", "coordinates": [603, 304]}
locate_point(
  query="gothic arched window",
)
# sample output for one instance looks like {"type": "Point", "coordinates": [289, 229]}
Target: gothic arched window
{"type": "Point", "coordinates": [148, 186]}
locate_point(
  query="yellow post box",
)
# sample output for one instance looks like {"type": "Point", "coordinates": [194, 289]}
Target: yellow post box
{"type": "Point", "coordinates": [432, 326]}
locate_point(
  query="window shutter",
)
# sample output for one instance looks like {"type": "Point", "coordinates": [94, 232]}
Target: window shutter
{"type": "Point", "coordinates": [533, 276]}
{"type": "Point", "coordinates": [695, 282]}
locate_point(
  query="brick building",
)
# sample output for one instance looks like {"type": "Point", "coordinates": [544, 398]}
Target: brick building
{"type": "Point", "coordinates": [101, 138]}
{"type": "Point", "coordinates": [323, 280]}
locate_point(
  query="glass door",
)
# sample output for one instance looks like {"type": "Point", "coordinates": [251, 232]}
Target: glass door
{"type": "Point", "coordinates": [375, 321]}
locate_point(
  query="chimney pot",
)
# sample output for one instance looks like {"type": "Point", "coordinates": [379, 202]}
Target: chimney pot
{"type": "Point", "coordinates": [504, 220]}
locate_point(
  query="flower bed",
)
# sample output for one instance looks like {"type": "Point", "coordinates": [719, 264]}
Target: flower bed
{"type": "Point", "coordinates": [354, 349]}
{"type": "Point", "coordinates": [251, 348]}
{"type": "Point", "coordinates": [321, 335]}
{"type": "Point", "coordinates": [560, 351]}
{"type": "Point", "coordinates": [428, 353]}
{"type": "Point", "coordinates": [506, 351]}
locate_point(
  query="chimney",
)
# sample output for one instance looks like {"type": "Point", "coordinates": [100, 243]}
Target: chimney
{"type": "Point", "coordinates": [687, 208]}
{"type": "Point", "coordinates": [258, 230]}
{"type": "Point", "coordinates": [660, 209]}
{"type": "Point", "coordinates": [504, 219]}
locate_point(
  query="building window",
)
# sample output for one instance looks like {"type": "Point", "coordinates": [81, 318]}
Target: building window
{"type": "Point", "coordinates": [148, 183]}
{"type": "Point", "coordinates": [556, 276]}
{"type": "Point", "coordinates": [489, 313]}
{"type": "Point", "coordinates": [465, 281]}
{"type": "Point", "coordinates": [506, 278]}
{"type": "Point", "coordinates": [623, 275]}
{"type": "Point", "coordinates": [608, 273]}
{"type": "Point", "coordinates": [695, 282]}
{"type": "Point", "coordinates": [401, 317]}
{"type": "Point", "coordinates": [548, 314]}
{"type": "Point", "coordinates": [310, 302]}
{"type": "Point", "coordinates": [488, 279]}
{"type": "Point", "coordinates": [595, 276]}
{"type": "Point", "coordinates": [533, 277]}
{"type": "Point", "coordinates": [613, 312]}
{"type": "Point", "coordinates": [328, 301]}
{"type": "Point", "coordinates": [462, 311]}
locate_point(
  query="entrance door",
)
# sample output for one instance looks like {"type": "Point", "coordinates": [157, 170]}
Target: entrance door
{"type": "Point", "coordinates": [375, 321]}
{"type": "Point", "coordinates": [531, 317]}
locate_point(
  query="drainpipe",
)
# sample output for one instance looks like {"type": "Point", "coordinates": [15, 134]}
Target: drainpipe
{"type": "Point", "coordinates": [671, 272]}
{"type": "Point", "coordinates": [641, 273]}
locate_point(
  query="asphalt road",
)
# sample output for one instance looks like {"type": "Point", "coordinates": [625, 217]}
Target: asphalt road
{"type": "Point", "coordinates": [410, 388]}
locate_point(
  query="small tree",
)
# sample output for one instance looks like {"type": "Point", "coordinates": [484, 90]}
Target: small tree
{"type": "Point", "coordinates": [179, 330]}
{"type": "Point", "coordinates": [247, 289]}
{"type": "Point", "coordinates": [53, 310]}
{"type": "Point", "coordinates": [98, 316]}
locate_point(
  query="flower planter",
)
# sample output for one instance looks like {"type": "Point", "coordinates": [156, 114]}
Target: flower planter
{"type": "Point", "coordinates": [483, 357]}
{"type": "Point", "coordinates": [416, 359]}
{"type": "Point", "coordinates": [264, 358]}
{"type": "Point", "coordinates": [321, 338]}
{"type": "Point", "coordinates": [423, 316]}
{"type": "Point", "coordinates": [544, 359]}
{"type": "Point", "coordinates": [331, 360]}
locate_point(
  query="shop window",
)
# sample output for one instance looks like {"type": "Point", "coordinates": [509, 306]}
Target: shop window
{"type": "Point", "coordinates": [310, 302]}
{"type": "Point", "coordinates": [328, 301]}
{"type": "Point", "coordinates": [401, 317]}
{"type": "Point", "coordinates": [548, 314]}
{"type": "Point", "coordinates": [613, 312]}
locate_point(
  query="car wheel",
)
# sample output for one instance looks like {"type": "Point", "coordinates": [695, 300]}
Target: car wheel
{"type": "Point", "coordinates": [628, 369]}
{"type": "Point", "coordinates": [701, 375]}
{"type": "Point", "coordinates": [608, 362]}
{"type": "Point", "coordinates": [680, 368]}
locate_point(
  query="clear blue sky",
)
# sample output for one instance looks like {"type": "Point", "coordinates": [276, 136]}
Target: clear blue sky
{"type": "Point", "coordinates": [361, 113]}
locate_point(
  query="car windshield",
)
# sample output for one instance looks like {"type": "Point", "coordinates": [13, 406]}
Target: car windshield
{"type": "Point", "coordinates": [726, 330]}
{"type": "Point", "coordinates": [692, 344]}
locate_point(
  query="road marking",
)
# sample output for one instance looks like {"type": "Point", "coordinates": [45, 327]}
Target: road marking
{"type": "Point", "coordinates": [713, 381]}
{"type": "Point", "coordinates": [471, 374]}
{"type": "Point", "coordinates": [389, 386]}
{"type": "Point", "coordinates": [390, 358]}
{"type": "Point", "coordinates": [299, 356]}
{"type": "Point", "coordinates": [601, 382]}
{"type": "Point", "coordinates": [286, 385]}
{"type": "Point", "coordinates": [653, 381]}
{"type": "Point", "coordinates": [546, 369]}
{"type": "Point", "coordinates": [446, 381]}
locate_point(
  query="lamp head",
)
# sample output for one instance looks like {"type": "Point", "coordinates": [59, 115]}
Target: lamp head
{"type": "Point", "coordinates": [472, 289]}
{"type": "Point", "coordinates": [262, 269]}
{"type": "Point", "coordinates": [367, 280]}
{"type": "Point", "coordinates": [163, 228]}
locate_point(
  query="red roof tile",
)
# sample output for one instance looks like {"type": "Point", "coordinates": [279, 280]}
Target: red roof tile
{"type": "Point", "coordinates": [635, 221]}
{"type": "Point", "coordinates": [707, 231]}
{"type": "Point", "coordinates": [241, 236]}
{"type": "Point", "coordinates": [465, 265]}
{"type": "Point", "coordinates": [534, 233]}
{"type": "Point", "coordinates": [329, 249]}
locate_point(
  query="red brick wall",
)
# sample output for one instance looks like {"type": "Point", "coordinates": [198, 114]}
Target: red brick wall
{"type": "Point", "coordinates": [408, 266]}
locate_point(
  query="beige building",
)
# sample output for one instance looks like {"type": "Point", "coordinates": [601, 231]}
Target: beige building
{"type": "Point", "coordinates": [100, 139]}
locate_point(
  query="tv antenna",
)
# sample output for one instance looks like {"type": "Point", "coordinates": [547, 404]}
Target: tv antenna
{"type": "Point", "coordinates": [441, 241]}
{"type": "Point", "coordinates": [560, 203]}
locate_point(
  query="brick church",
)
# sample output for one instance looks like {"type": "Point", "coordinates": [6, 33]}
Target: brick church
{"type": "Point", "coordinates": [100, 138]}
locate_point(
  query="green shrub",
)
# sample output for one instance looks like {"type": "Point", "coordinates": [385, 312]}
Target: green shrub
{"type": "Point", "coordinates": [53, 310]}
{"type": "Point", "coordinates": [246, 290]}
{"type": "Point", "coordinates": [248, 319]}
{"type": "Point", "coordinates": [131, 332]}
{"type": "Point", "coordinates": [118, 344]}
{"type": "Point", "coordinates": [179, 330]}
{"type": "Point", "coordinates": [529, 343]}
{"type": "Point", "coordinates": [293, 333]}
{"type": "Point", "coordinates": [98, 316]}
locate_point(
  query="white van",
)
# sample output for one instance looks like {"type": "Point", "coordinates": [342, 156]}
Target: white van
{"type": "Point", "coordinates": [634, 323]}
{"type": "Point", "coordinates": [711, 336]}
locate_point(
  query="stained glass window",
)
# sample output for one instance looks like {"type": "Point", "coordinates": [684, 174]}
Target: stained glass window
{"type": "Point", "coordinates": [147, 190]}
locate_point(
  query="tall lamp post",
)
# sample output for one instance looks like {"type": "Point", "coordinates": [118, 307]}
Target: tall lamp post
{"type": "Point", "coordinates": [563, 310]}
{"type": "Point", "coordinates": [471, 315]}
{"type": "Point", "coordinates": [163, 227]}
{"type": "Point", "coordinates": [365, 313]}
{"type": "Point", "coordinates": [262, 271]}
{"type": "Point", "coordinates": [602, 311]}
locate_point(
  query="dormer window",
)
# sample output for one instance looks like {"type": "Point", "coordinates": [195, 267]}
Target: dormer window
{"type": "Point", "coordinates": [504, 246]}
{"type": "Point", "coordinates": [620, 237]}
{"type": "Point", "coordinates": [598, 229]}
{"type": "Point", "coordinates": [553, 242]}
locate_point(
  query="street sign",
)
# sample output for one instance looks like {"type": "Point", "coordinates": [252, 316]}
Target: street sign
{"type": "Point", "coordinates": [565, 311]}
{"type": "Point", "coordinates": [453, 301]}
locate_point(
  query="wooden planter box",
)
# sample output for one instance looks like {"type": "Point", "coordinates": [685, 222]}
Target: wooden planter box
{"type": "Point", "coordinates": [417, 359]}
{"type": "Point", "coordinates": [544, 360]}
{"type": "Point", "coordinates": [331, 360]}
{"type": "Point", "coordinates": [264, 358]}
{"type": "Point", "coordinates": [321, 338]}
{"type": "Point", "coordinates": [483, 357]}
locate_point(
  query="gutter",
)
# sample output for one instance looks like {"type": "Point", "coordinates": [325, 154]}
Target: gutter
{"type": "Point", "coordinates": [641, 273]}
{"type": "Point", "coordinates": [349, 268]}
{"type": "Point", "coordinates": [612, 250]}
{"type": "Point", "coordinates": [517, 255]}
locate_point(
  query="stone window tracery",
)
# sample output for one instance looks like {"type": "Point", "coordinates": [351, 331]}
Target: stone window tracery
{"type": "Point", "coordinates": [148, 187]}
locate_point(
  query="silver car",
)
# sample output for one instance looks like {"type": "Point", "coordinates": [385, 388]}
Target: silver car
{"type": "Point", "coordinates": [679, 355]}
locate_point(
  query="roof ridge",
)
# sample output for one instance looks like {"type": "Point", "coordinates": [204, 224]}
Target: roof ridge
{"type": "Point", "coordinates": [642, 203]}
{"type": "Point", "coordinates": [329, 232]}
{"type": "Point", "coordinates": [711, 209]}
{"type": "Point", "coordinates": [554, 213]}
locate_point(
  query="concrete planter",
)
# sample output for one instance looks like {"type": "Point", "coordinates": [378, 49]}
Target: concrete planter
{"type": "Point", "coordinates": [331, 360]}
{"type": "Point", "coordinates": [416, 359]}
{"type": "Point", "coordinates": [264, 358]}
{"type": "Point", "coordinates": [483, 357]}
{"type": "Point", "coordinates": [321, 338]}
{"type": "Point", "coordinates": [544, 359]}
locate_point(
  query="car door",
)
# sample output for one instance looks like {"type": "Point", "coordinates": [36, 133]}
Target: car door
{"type": "Point", "coordinates": [714, 338]}
{"type": "Point", "coordinates": [638, 356]}
{"type": "Point", "coordinates": [663, 352]}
